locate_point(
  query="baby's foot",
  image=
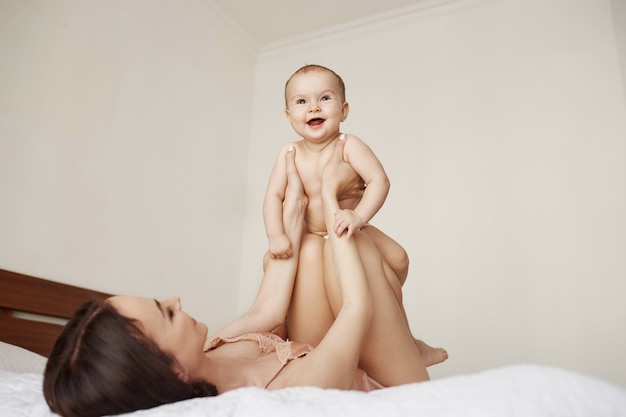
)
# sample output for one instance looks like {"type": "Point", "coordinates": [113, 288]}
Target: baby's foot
{"type": "Point", "coordinates": [431, 355]}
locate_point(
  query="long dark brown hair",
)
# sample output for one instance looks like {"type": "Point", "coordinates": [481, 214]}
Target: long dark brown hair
{"type": "Point", "coordinates": [102, 364]}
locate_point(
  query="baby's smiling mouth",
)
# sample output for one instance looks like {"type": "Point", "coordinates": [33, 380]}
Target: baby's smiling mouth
{"type": "Point", "coordinates": [315, 122]}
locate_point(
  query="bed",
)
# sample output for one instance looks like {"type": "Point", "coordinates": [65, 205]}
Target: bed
{"type": "Point", "coordinates": [516, 390]}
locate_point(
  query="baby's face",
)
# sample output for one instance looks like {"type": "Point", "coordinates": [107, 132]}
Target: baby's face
{"type": "Point", "coordinates": [315, 106]}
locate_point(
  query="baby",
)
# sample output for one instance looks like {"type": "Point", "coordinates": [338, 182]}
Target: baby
{"type": "Point", "coordinates": [316, 106]}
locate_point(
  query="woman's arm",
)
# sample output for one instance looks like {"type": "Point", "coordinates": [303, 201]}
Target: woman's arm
{"type": "Point", "coordinates": [333, 362]}
{"type": "Point", "coordinates": [272, 301]}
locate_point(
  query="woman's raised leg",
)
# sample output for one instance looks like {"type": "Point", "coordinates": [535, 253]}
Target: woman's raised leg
{"type": "Point", "coordinates": [394, 254]}
{"type": "Point", "coordinates": [389, 354]}
{"type": "Point", "coordinates": [309, 316]}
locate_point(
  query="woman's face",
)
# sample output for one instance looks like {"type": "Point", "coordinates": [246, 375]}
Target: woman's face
{"type": "Point", "coordinates": [173, 331]}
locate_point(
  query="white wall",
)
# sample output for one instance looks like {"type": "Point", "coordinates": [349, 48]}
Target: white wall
{"type": "Point", "coordinates": [502, 126]}
{"type": "Point", "coordinates": [619, 22]}
{"type": "Point", "coordinates": [123, 129]}
{"type": "Point", "coordinates": [126, 166]}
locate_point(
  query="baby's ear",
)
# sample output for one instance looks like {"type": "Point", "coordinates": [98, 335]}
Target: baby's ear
{"type": "Point", "coordinates": [345, 109]}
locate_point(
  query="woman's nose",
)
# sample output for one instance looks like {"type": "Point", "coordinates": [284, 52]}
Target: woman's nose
{"type": "Point", "coordinates": [173, 302]}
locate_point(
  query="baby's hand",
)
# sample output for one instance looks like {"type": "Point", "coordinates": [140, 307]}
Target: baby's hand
{"type": "Point", "coordinates": [280, 247]}
{"type": "Point", "coordinates": [347, 221]}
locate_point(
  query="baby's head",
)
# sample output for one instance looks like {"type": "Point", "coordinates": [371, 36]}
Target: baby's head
{"type": "Point", "coordinates": [315, 103]}
{"type": "Point", "coordinates": [340, 86]}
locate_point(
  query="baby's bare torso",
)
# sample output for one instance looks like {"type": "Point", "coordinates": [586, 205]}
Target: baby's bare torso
{"type": "Point", "coordinates": [310, 166]}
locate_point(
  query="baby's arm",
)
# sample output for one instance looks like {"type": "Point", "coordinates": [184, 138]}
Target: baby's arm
{"type": "Point", "coordinates": [368, 167]}
{"type": "Point", "coordinates": [278, 242]}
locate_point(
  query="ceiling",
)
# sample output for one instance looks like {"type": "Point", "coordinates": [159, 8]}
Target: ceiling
{"type": "Point", "coordinates": [274, 21]}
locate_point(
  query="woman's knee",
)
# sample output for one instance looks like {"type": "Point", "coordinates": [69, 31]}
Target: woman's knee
{"type": "Point", "coordinates": [393, 253]}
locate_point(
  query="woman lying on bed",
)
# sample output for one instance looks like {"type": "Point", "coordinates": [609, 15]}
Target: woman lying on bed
{"type": "Point", "coordinates": [131, 353]}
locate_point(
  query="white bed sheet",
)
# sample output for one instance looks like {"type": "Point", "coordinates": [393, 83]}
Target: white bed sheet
{"type": "Point", "coordinates": [518, 390]}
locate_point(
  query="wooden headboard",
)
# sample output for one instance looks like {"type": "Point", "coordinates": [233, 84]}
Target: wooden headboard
{"type": "Point", "coordinates": [26, 294]}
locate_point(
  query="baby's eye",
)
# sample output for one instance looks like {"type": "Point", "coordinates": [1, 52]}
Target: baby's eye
{"type": "Point", "coordinates": [300, 101]}
{"type": "Point", "coordinates": [170, 312]}
{"type": "Point", "coordinates": [325, 98]}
